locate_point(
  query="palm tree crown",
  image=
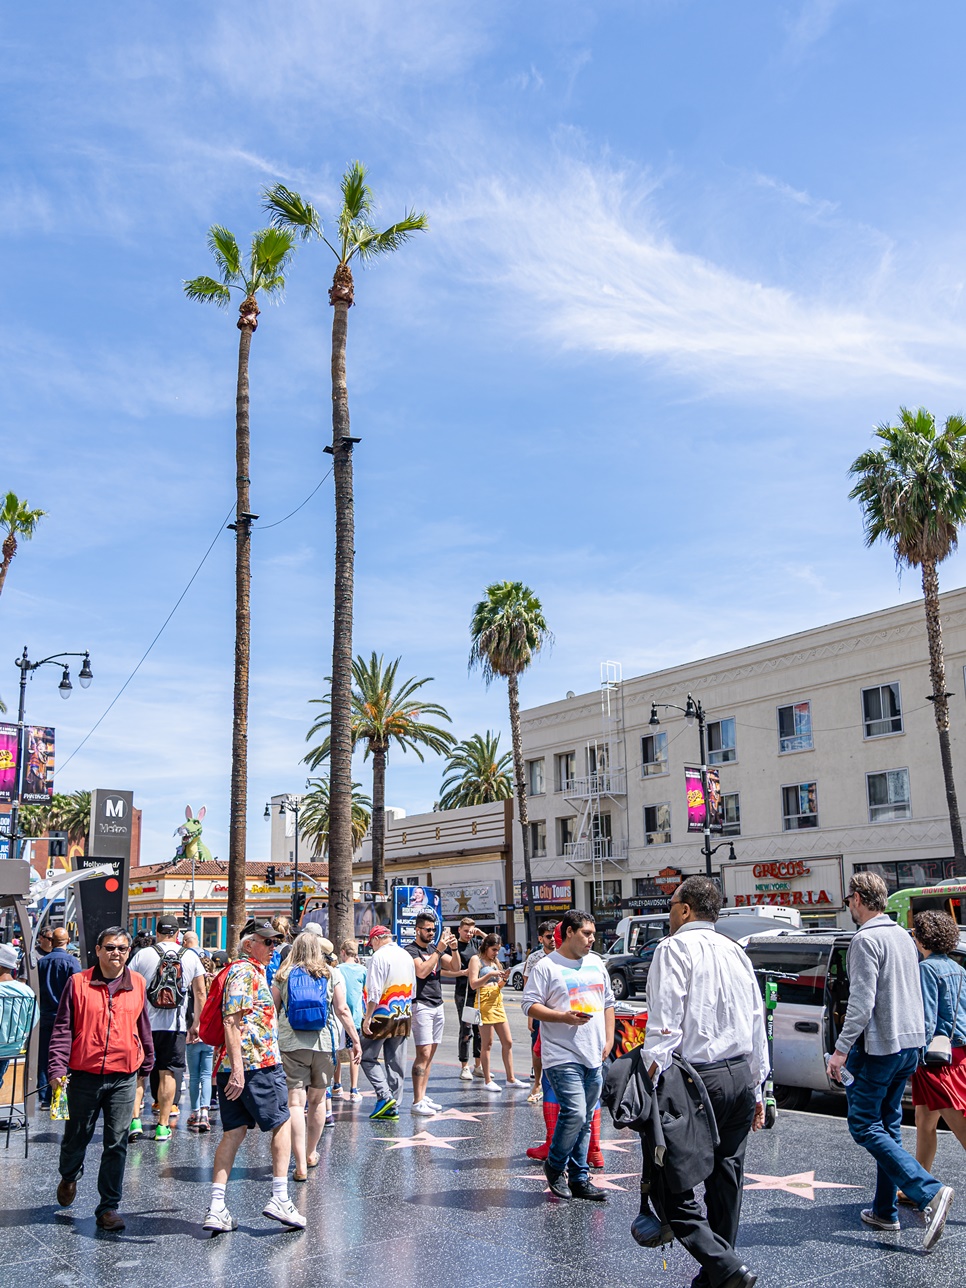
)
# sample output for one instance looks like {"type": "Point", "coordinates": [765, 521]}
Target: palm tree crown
{"type": "Point", "coordinates": [913, 489]}
{"type": "Point", "coordinates": [476, 773]}
{"type": "Point", "coordinates": [508, 627]}
{"type": "Point", "coordinates": [314, 815]}
{"type": "Point", "coordinates": [264, 273]}
{"type": "Point", "coordinates": [16, 520]}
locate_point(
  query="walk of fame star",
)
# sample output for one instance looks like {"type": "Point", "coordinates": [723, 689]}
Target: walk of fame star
{"type": "Point", "coordinates": [613, 1145]}
{"type": "Point", "coordinates": [598, 1180]}
{"type": "Point", "coordinates": [424, 1138]}
{"type": "Point", "coordinates": [458, 1115]}
{"type": "Point", "coordinates": [802, 1183]}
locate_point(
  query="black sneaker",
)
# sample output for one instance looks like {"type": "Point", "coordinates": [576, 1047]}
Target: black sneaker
{"type": "Point", "coordinates": [557, 1182]}
{"type": "Point", "coordinates": [585, 1190]}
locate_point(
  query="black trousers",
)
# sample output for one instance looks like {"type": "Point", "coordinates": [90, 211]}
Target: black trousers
{"type": "Point", "coordinates": [89, 1095]}
{"type": "Point", "coordinates": [711, 1238]}
{"type": "Point", "coordinates": [467, 1031]}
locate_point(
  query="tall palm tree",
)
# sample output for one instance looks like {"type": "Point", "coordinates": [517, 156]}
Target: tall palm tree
{"type": "Point", "coordinates": [507, 628]}
{"type": "Point", "coordinates": [262, 274]}
{"type": "Point", "coordinates": [355, 238]}
{"type": "Point", "coordinates": [476, 773]}
{"type": "Point", "coordinates": [383, 714]}
{"type": "Point", "coordinates": [315, 816]}
{"type": "Point", "coordinates": [16, 520]}
{"type": "Point", "coordinates": [912, 491]}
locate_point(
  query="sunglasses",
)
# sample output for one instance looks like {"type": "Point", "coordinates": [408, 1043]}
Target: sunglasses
{"type": "Point", "coordinates": [274, 943]}
{"type": "Point", "coordinates": [115, 948]}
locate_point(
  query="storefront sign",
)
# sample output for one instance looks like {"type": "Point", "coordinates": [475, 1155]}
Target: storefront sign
{"type": "Point", "coordinates": [548, 896]}
{"type": "Point", "coordinates": [796, 883]}
{"type": "Point", "coordinates": [478, 900]}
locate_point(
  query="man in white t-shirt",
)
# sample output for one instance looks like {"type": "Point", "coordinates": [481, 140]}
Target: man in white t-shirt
{"type": "Point", "coordinates": [569, 993]}
{"type": "Point", "coordinates": [168, 1025]}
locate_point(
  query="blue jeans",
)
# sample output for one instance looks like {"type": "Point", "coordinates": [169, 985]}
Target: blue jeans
{"type": "Point", "coordinates": [577, 1089]}
{"type": "Point", "coordinates": [199, 1057]}
{"type": "Point", "coordinates": [875, 1116]}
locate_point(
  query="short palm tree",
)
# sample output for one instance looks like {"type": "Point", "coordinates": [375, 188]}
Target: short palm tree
{"type": "Point", "coordinates": [72, 814]}
{"type": "Point", "coordinates": [355, 239]}
{"type": "Point", "coordinates": [476, 773]}
{"type": "Point", "coordinates": [912, 491]}
{"type": "Point", "coordinates": [508, 627]}
{"type": "Point", "coordinates": [315, 815]}
{"type": "Point", "coordinates": [383, 713]}
{"type": "Point", "coordinates": [16, 520]}
{"type": "Point", "coordinates": [261, 274]}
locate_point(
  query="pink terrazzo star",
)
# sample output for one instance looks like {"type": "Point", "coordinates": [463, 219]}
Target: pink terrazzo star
{"type": "Point", "coordinates": [615, 1147]}
{"type": "Point", "coordinates": [426, 1139]}
{"type": "Point", "coordinates": [599, 1180]}
{"type": "Point", "coordinates": [457, 1115]}
{"type": "Point", "coordinates": [803, 1184]}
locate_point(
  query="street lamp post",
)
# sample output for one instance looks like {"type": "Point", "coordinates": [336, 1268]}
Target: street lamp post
{"type": "Point", "coordinates": [292, 804]}
{"type": "Point", "coordinates": [692, 711]}
{"type": "Point", "coordinates": [85, 675]}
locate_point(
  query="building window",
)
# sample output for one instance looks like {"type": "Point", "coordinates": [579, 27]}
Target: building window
{"type": "Point", "coordinates": [535, 781]}
{"type": "Point", "coordinates": [605, 901]}
{"type": "Point", "coordinates": [721, 741]}
{"type": "Point", "coordinates": [565, 833]}
{"type": "Point", "coordinates": [730, 814]}
{"type": "Point", "coordinates": [538, 839]}
{"type": "Point", "coordinates": [653, 754]}
{"type": "Point", "coordinates": [566, 770]}
{"type": "Point", "coordinates": [601, 835]}
{"type": "Point", "coordinates": [881, 710]}
{"type": "Point", "coordinates": [795, 727]}
{"type": "Point", "coordinates": [657, 824]}
{"type": "Point", "coordinates": [799, 806]}
{"type": "Point", "coordinates": [211, 932]}
{"type": "Point", "coordinates": [888, 795]}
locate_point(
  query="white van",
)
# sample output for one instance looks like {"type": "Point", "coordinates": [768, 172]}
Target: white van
{"type": "Point", "coordinates": [775, 910]}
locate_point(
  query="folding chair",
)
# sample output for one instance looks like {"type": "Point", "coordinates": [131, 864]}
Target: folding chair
{"type": "Point", "coordinates": [17, 1012]}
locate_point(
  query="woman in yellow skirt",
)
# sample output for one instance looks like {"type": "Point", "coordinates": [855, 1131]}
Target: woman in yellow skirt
{"type": "Point", "coordinates": [487, 978]}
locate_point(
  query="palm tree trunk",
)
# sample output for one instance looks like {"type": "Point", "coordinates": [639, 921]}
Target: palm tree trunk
{"type": "Point", "coordinates": [378, 825]}
{"type": "Point", "coordinates": [238, 819]}
{"type": "Point", "coordinates": [341, 920]}
{"type": "Point", "coordinates": [513, 690]}
{"type": "Point", "coordinates": [9, 550]}
{"type": "Point", "coordinates": [937, 673]}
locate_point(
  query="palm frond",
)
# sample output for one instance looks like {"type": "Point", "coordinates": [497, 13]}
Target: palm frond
{"type": "Point", "coordinates": [208, 290]}
{"type": "Point", "coordinates": [224, 247]}
{"type": "Point", "coordinates": [368, 243]}
{"type": "Point", "coordinates": [356, 195]}
{"type": "Point", "coordinates": [286, 209]}
{"type": "Point", "coordinates": [272, 249]}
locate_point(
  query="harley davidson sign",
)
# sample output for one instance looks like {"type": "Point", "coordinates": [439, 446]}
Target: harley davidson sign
{"type": "Point", "coordinates": [795, 883]}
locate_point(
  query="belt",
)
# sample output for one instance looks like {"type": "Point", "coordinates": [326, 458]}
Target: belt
{"type": "Point", "coordinates": [723, 1064]}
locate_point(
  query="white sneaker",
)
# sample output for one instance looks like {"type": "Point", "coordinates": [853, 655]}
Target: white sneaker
{"type": "Point", "coordinates": [466, 1075]}
{"type": "Point", "coordinates": [221, 1222]}
{"type": "Point", "coordinates": [492, 1086]}
{"type": "Point", "coordinates": [478, 1071]}
{"type": "Point", "coordinates": [518, 1082]}
{"type": "Point", "coordinates": [284, 1211]}
{"type": "Point", "coordinates": [424, 1109]}
{"type": "Point", "coordinates": [935, 1213]}
{"type": "Point", "coordinates": [433, 1104]}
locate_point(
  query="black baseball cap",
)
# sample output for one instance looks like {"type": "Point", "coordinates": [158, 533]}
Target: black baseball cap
{"type": "Point", "coordinates": [264, 929]}
{"type": "Point", "coordinates": [220, 958]}
{"type": "Point", "coordinates": [169, 926]}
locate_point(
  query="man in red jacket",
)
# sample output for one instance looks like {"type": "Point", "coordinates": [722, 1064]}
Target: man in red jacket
{"type": "Point", "coordinates": [102, 1036]}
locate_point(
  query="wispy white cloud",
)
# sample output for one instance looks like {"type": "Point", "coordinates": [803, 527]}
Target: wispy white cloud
{"type": "Point", "coordinates": [810, 24]}
{"type": "Point", "coordinates": [582, 250]}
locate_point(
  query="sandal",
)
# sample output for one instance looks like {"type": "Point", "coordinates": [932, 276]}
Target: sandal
{"type": "Point", "coordinates": [296, 1177]}
{"type": "Point", "coordinates": [310, 1162]}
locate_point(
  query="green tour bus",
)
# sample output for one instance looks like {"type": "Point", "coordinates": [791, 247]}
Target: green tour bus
{"type": "Point", "coordinates": [946, 896]}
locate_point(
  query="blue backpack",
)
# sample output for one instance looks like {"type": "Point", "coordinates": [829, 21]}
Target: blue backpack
{"type": "Point", "coordinates": [307, 1005]}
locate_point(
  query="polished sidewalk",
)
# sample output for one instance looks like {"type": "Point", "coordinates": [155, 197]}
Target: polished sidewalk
{"type": "Point", "coordinates": [454, 1200]}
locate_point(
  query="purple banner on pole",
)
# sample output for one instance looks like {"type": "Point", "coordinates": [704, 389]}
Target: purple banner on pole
{"type": "Point", "coordinates": [697, 807]}
{"type": "Point", "coordinates": [38, 778]}
{"type": "Point", "coordinates": [8, 762]}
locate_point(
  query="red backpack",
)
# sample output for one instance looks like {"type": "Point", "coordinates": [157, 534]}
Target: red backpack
{"type": "Point", "coordinates": [211, 1026]}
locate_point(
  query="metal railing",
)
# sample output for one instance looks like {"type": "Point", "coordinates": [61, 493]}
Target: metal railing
{"type": "Point", "coordinates": [608, 782]}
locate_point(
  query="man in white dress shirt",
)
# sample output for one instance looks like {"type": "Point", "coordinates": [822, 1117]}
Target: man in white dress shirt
{"type": "Point", "coordinates": [703, 1002]}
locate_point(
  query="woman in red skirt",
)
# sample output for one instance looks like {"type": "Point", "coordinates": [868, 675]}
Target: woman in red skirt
{"type": "Point", "coordinates": [940, 1092]}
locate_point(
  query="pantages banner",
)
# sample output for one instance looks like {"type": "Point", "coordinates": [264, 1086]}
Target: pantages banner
{"type": "Point", "coordinates": [696, 803]}
{"type": "Point", "coordinates": [38, 777]}
{"type": "Point", "coordinates": [8, 762]}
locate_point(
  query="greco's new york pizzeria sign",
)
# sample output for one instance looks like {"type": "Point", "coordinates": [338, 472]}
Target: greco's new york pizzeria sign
{"type": "Point", "coordinates": [795, 883]}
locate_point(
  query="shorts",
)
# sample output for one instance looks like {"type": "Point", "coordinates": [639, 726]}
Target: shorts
{"type": "Point", "coordinates": [169, 1049]}
{"type": "Point", "coordinates": [262, 1104]}
{"type": "Point", "coordinates": [535, 1034]}
{"type": "Point", "coordinates": [304, 1068]}
{"type": "Point", "coordinates": [427, 1024]}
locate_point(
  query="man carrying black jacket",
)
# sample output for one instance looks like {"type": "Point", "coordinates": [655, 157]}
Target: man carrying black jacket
{"type": "Point", "coordinates": [703, 1002]}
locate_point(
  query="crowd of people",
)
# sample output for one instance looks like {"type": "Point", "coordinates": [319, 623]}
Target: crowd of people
{"type": "Point", "coordinates": [269, 1038]}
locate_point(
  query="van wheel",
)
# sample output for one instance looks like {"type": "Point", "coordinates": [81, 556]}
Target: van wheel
{"type": "Point", "coordinates": [518, 982]}
{"type": "Point", "coordinates": [792, 1097]}
{"type": "Point", "coordinates": [619, 984]}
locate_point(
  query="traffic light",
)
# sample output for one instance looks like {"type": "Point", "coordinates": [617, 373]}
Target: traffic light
{"type": "Point", "coordinates": [57, 845]}
{"type": "Point", "coordinates": [270, 874]}
{"type": "Point", "coordinates": [186, 911]}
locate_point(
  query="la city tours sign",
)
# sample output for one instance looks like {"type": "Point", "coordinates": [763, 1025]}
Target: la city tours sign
{"type": "Point", "coordinates": [792, 883]}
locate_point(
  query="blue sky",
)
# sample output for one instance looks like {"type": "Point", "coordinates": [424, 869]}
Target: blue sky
{"type": "Point", "coordinates": [683, 257]}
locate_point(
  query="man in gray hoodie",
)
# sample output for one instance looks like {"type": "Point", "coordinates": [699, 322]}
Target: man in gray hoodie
{"type": "Point", "coordinates": [880, 1045]}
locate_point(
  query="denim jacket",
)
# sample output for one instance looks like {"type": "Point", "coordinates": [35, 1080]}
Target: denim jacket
{"type": "Point", "coordinates": [943, 985]}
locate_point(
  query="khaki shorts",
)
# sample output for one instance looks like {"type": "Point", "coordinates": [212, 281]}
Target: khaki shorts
{"type": "Point", "coordinates": [307, 1069]}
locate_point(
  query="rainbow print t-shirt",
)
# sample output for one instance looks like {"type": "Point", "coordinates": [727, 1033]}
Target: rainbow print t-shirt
{"type": "Point", "coordinates": [581, 985]}
{"type": "Point", "coordinates": [390, 977]}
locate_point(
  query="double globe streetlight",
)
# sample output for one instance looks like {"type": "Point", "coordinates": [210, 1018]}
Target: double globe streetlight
{"type": "Point", "coordinates": [291, 805]}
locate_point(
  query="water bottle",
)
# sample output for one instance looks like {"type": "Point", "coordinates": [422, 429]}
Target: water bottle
{"type": "Point", "coordinates": [845, 1077]}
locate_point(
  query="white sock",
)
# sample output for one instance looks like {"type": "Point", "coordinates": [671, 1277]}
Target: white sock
{"type": "Point", "coordinates": [280, 1188]}
{"type": "Point", "coordinates": [217, 1198]}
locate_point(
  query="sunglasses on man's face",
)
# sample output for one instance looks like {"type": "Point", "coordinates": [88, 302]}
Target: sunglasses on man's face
{"type": "Point", "coordinates": [115, 948]}
{"type": "Point", "coordinates": [273, 943]}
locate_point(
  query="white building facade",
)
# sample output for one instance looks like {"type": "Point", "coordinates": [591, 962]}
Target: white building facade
{"type": "Point", "coordinates": [825, 745]}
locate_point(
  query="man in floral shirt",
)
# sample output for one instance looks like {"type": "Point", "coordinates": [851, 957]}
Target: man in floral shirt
{"type": "Point", "coordinates": [252, 1091]}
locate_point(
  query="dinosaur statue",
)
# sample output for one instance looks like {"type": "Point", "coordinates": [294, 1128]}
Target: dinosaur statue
{"type": "Point", "coordinates": [192, 847]}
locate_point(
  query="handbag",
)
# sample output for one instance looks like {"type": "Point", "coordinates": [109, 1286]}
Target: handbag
{"type": "Point", "coordinates": [471, 1014]}
{"type": "Point", "coordinates": [939, 1052]}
